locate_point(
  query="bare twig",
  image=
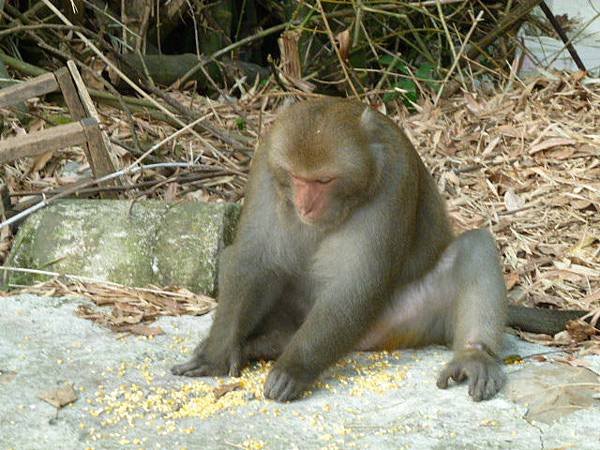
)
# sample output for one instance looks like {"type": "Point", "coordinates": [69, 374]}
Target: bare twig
{"type": "Point", "coordinates": [40, 26]}
{"type": "Point", "coordinates": [458, 57]}
{"type": "Point", "coordinates": [84, 279]}
{"type": "Point", "coordinates": [337, 50]}
{"type": "Point", "coordinates": [563, 36]}
{"type": "Point", "coordinates": [207, 173]}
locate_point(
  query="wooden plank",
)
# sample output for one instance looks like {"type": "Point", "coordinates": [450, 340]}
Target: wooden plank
{"type": "Point", "coordinates": [84, 95]}
{"type": "Point", "coordinates": [42, 141]}
{"type": "Point", "coordinates": [100, 162]}
{"type": "Point", "coordinates": [98, 158]}
{"type": "Point", "coordinates": [19, 92]}
{"type": "Point", "coordinates": [6, 80]}
{"type": "Point", "coordinates": [99, 150]}
{"type": "Point", "coordinates": [65, 82]}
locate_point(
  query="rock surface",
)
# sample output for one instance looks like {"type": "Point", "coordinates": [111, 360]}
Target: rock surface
{"type": "Point", "coordinates": [126, 397]}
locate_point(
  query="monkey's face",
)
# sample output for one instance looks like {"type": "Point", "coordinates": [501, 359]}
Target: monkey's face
{"type": "Point", "coordinates": [321, 161]}
{"type": "Point", "coordinates": [316, 200]}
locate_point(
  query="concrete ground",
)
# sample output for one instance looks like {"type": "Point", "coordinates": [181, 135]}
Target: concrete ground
{"type": "Point", "coordinates": [128, 399]}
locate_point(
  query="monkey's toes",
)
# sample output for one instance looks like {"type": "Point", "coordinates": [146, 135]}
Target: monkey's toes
{"type": "Point", "coordinates": [484, 373]}
{"type": "Point", "coordinates": [282, 387]}
{"type": "Point", "coordinates": [488, 383]}
{"type": "Point", "coordinates": [450, 371]}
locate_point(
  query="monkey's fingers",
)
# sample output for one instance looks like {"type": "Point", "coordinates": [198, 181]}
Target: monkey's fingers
{"type": "Point", "coordinates": [477, 382]}
{"type": "Point", "coordinates": [494, 381]}
{"type": "Point", "coordinates": [486, 378]}
{"type": "Point", "coordinates": [235, 363]}
{"type": "Point", "coordinates": [196, 367]}
{"type": "Point", "coordinates": [283, 387]}
{"type": "Point", "coordinates": [180, 369]}
{"type": "Point", "coordinates": [204, 371]}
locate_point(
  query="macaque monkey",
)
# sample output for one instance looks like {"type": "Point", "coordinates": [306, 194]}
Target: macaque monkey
{"type": "Point", "coordinates": [344, 243]}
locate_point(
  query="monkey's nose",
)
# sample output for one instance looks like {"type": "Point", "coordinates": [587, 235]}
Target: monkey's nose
{"type": "Point", "coordinates": [306, 210]}
{"type": "Point", "coordinates": [308, 215]}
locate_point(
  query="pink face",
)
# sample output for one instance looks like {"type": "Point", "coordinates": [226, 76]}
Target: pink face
{"type": "Point", "coordinates": [312, 197]}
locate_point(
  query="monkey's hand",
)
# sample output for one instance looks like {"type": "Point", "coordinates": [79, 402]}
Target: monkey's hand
{"type": "Point", "coordinates": [283, 387]}
{"type": "Point", "coordinates": [482, 370]}
{"type": "Point", "coordinates": [211, 360]}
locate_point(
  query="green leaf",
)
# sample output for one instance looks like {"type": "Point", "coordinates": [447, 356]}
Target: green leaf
{"type": "Point", "coordinates": [240, 122]}
{"type": "Point", "coordinates": [409, 95]}
{"type": "Point", "coordinates": [426, 72]}
{"type": "Point", "coordinates": [393, 63]}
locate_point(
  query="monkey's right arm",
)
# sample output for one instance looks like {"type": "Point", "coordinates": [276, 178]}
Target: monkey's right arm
{"type": "Point", "coordinates": [244, 298]}
{"type": "Point", "coordinates": [244, 295]}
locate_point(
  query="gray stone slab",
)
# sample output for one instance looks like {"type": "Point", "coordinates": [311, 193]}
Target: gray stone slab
{"type": "Point", "coordinates": [128, 398]}
{"type": "Point", "coordinates": [135, 244]}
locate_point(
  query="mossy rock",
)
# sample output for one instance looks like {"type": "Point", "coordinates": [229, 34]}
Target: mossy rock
{"type": "Point", "coordinates": [145, 243]}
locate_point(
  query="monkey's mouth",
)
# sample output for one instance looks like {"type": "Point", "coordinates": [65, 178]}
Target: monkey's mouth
{"type": "Point", "coordinates": [322, 222]}
{"type": "Point", "coordinates": [309, 218]}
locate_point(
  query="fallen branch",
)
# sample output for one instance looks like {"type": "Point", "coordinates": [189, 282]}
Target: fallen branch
{"type": "Point", "coordinates": [182, 179]}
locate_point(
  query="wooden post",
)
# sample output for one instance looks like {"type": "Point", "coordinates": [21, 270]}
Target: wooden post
{"type": "Point", "coordinates": [101, 165]}
{"type": "Point", "coordinates": [63, 77]}
{"type": "Point", "coordinates": [99, 148]}
{"type": "Point", "coordinates": [85, 131]}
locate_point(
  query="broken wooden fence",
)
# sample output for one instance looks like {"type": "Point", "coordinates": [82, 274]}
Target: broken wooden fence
{"type": "Point", "coordinates": [85, 131]}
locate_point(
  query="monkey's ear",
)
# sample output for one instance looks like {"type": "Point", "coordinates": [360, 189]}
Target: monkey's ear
{"type": "Point", "coordinates": [368, 119]}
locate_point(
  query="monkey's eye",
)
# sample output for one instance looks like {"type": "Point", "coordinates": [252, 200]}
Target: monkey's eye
{"type": "Point", "coordinates": [325, 180]}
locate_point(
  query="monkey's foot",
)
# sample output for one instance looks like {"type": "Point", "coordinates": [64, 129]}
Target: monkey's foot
{"type": "Point", "coordinates": [484, 373]}
{"type": "Point", "coordinates": [283, 387]}
{"type": "Point", "coordinates": [199, 366]}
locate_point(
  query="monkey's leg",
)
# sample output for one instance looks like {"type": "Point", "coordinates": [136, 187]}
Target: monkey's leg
{"type": "Point", "coordinates": [477, 316]}
{"type": "Point", "coordinates": [461, 302]}
{"type": "Point", "coordinates": [266, 346]}
{"type": "Point", "coordinates": [275, 331]}
{"type": "Point", "coordinates": [244, 300]}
